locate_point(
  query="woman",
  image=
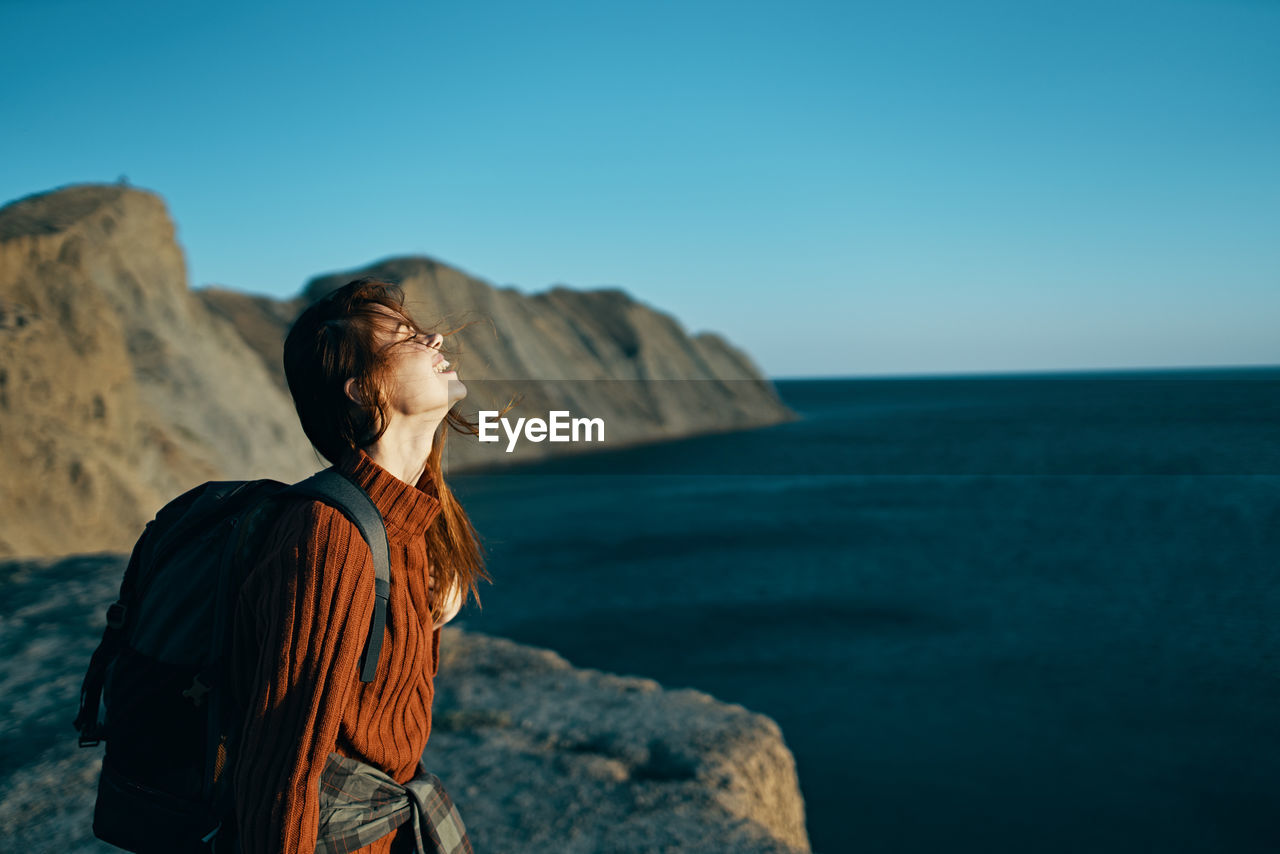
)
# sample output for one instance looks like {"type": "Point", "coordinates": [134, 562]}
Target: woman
{"type": "Point", "coordinates": [373, 392]}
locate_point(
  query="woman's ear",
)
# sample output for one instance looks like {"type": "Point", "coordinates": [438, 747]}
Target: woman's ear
{"type": "Point", "coordinates": [352, 392]}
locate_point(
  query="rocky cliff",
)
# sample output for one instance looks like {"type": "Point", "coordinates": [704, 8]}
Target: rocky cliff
{"type": "Point", "coordinates": [597, 353]}
{"type": "Point", "coordinates": [538, 755]}
{"type": "Point", "coordinates": [120, 387]}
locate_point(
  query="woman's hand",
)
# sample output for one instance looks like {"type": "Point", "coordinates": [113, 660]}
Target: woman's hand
{"type": "Point", "coordinates": [452, 605]}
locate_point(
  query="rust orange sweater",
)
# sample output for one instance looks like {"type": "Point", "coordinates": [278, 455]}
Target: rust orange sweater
{"type": "Point", "coordinates": [300, 626]}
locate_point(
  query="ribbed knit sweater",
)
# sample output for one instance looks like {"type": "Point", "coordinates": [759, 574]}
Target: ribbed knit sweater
{"type": "Point", "coordinates": [300, 626]}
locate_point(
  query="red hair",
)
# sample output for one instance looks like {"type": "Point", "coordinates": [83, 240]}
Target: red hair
{"type": "Point", "coordinates": [335, 339]}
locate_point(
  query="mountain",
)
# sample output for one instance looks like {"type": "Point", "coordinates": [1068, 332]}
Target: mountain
{"type": "Point", "coordinates": [596, 353]}
{"type": "Point", "coordinates": [121, 387]}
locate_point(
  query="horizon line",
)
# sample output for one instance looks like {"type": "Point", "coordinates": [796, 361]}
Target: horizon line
{"type": "Point", "coordinates": [1035, 372]}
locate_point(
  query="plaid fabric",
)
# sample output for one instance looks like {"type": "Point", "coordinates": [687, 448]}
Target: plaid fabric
{"type": "Point", "coordinates": [360, 804]}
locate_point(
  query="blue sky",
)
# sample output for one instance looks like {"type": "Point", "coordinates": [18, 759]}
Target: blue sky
{"type": "Point", "coordinates": [840, 188]}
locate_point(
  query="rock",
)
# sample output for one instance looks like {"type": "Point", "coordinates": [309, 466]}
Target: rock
{"type": "Point", "coordinates": [597, 353]}
{"type": "Point", "coordinates": [121, 388]}
{"type": "Point", "coordinates": [537, 754]}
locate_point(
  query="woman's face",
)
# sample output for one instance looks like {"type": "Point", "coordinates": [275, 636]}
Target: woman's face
{"type": "Point", "coordinates": [420, 380]}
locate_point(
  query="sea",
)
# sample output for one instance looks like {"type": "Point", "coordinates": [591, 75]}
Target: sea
{"type": "Point", "coordinates": [995, 613]}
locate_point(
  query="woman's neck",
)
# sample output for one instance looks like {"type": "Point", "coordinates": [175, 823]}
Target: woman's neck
{"type": "Point", "coordinates": [403, 449]}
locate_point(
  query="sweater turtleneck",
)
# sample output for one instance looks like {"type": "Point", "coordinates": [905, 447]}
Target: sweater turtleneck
{"type": "Point", "coordinates": [301, 620]}
{"type": "Point", "coordinates": [407, 509]}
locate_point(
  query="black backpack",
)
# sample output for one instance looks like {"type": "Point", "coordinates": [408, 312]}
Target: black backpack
{"type": "Point", "coordinates": [160, 670]}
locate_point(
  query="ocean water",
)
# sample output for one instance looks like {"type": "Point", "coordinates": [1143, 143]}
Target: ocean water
{"type": "Point", "coordinates": [1025, 613]}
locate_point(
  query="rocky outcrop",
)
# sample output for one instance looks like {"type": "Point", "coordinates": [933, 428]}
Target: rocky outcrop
{"type": "Point", "coordinates": [538, 755]}
{"type": "Point", "coordinates": [596, 353]}
{"type": "Point", "coordinates": [545, 756]}
{"type": "Point", "coordinates": [121, 388]}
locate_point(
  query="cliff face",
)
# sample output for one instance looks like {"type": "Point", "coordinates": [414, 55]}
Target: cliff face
{"type": "Point", "coordinates": [547, 756]}
{"type": "Point", "coordinates": [597, 353]}
{"type": "Point", "coordinates": [120, 387]}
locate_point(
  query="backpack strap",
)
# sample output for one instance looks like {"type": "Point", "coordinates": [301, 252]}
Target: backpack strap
{"type": "Point", "coordinates": [91, 688]}
{"type": "Point", "coordinates": [337, 490]}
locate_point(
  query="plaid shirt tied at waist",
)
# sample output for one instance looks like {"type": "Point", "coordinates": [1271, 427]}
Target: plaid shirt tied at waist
{"type": "Point", "coordinates": [360, 804]}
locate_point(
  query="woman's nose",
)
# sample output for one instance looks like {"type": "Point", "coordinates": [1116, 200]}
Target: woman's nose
{"type": "Point", "coordinates": [436, 340]}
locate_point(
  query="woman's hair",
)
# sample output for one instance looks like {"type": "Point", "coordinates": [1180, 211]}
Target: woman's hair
{"type": "Point", "coordinates": [336, 339]}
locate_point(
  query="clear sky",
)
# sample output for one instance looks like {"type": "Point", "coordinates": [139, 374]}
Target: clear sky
{"type": "Point", "coordinates": [843, 188]}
